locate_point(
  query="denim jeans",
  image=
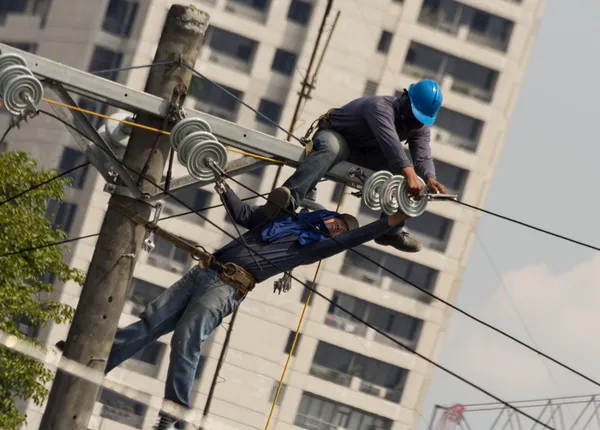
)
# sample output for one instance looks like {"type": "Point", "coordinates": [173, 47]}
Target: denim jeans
{"type": "Point", "coordinates": [192, 307]}
{"type": "Point", "coordinates": [330, 148]}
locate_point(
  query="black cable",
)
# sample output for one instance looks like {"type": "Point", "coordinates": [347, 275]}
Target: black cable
{"type": "Point", "coordinates": [533, 227]}
{"type": "Point", "coordinates": [377, 330]}
{"type": "Point", "coordinates": [47, 181]}
{"type": "Point", "coordinates": [46, 245]}
{"type": "Point", "coordinates": [243, 102]}
{"type": "Point", "coordinates": [10, 127]}
{"type": "Point", "coordinates": [468, 315]}
{"type": "Point", "coordinates": [124, 69]}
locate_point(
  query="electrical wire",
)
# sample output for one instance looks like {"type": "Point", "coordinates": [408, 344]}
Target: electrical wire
{"type": "Point", "coordinates": [531, 226]}
{"type": "Point", "coordinates": [468, 315]}
{"type": "Point", "coordinates": [367, 324]}
{"type": "Point", "coordinates": [125, 69]}
{"type": "Point", "coordinates": [516, 309]}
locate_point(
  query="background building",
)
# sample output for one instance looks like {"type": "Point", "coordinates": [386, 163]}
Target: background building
{"type": "Point", "coordinates": [343, 375]}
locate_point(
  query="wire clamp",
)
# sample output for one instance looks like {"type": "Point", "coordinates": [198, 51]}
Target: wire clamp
{"type": "Point", "coordinates": [148, 244]}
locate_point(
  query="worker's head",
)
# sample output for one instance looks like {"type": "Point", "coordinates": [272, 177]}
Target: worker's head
{"type": "Point", "coordinates": [425, 100]}
{"type": "Point", "coordinates": [341, 224]}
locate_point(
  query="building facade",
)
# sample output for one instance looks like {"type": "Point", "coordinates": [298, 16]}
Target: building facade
{"type": "Point", "coordinates": [343, 375]}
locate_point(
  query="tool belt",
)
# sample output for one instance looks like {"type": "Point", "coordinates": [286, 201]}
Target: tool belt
{"type": "Point", "coordinates": [229, 273]}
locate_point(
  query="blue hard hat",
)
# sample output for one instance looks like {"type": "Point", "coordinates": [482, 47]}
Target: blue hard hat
{"type": "Point", "coordinates": [425, 99]}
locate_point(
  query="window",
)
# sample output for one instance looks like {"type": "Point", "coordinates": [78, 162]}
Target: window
{"type": "Point", "coordinates": [370, 89]}
{"type": "Point", "coordinates": [284, 62]}
{"type": "Point", "coordinates": [71, 158]}
{"type": "Point", "coordinates": [451, 176]}
{"type": "Point", "coordinates": [274, 393]}
{"type": "Point", "coordinates": [23, 46]}
{"type": "Point", "coordinates": [306, 292]}
{"type": "Point", "coordinates": [122, 409]}
{"type": "Point", "coordinates": [213, 100]}
{"type": "Point", "coordinates": [61, 214]}
{"type": "Point", "coordinates": [457, 129]}
{"type": "Point", "coordinates": [140, 293]}
{"type": "Point", "coordinates": [256, 4]}
{"type": "Point", "coordinates": [316, 412]}
{"type": "Point", "coordinates": [269, 109]}
{"type": "Point", "coordinates": [230, 49]}
{"type": "Point", "coordinates": [359, 268]}
{"type": "Point", "coordinates": [339, 365]}
{"type": "Point", "coordinates": [168, 256]}
{"type": "Point", "coordinates": [300, 12]}
{"type": "Point", "coordinates": [470, 79]}
{"type": "Point", "coordinates": [93, 106]}
{"type": "Point", "coordinates": [402, 327]}
{"type": "Point", "coordinates": [385, 40]}
{"type": "Point", "coordinates": [120, 16]}
{"type": "Point", "coordinates": [290, 341]}
{"type": "Point", "coordinates": [25, 326]}
{"type": "Point", "coordinates": [105, 59]}
{"type": "Point", "coordinates": [147, 360]}
{"type": "Point", "coordinates": [433, 230]}
{"type": "Point", "coordinates": [195, 198]}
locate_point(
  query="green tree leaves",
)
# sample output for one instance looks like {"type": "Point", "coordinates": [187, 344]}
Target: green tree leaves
{"type": "Point", "coordinates": [25, 278]}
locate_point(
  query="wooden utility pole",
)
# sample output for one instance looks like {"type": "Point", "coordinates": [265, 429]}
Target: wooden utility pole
{"type": "Point", "coordinates": [101, 302]}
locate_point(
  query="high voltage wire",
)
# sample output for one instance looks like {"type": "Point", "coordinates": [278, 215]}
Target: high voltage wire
{"type": "Point", "coordinates": [367, 324]}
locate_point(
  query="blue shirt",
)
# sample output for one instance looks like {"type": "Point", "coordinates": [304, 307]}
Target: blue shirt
{"type": "Point", "coordinates": [286, 252]}
{"type": "Point", "coordinates": [373, 122]}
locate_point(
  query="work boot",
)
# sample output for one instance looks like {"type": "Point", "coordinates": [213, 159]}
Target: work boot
{"type": "Point", "coordinates": [401, 241]}
{"type": "Point", "coordinates": [280, 198]}
{"type": "Point", "coordinates": [60, 345]}
{"type": "Point", "coordinates": [166, 423]}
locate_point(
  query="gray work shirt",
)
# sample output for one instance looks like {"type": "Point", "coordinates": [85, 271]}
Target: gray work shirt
{"type": "Point", "coordinates": [373, 122]}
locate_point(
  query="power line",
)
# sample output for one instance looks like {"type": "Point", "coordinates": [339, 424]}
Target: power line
{"type": "Point", "coordinates": [531, 226]}
{"type": "Point", "coordinates": [468, 315]}
{"type": "Point", "coordinates": [516, 309]}
{"type": "Point", "coordinates": [367, 324]}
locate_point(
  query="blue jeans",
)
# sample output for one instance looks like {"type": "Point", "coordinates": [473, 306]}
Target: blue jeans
{"type": "Point", "coordinates": [330, 148]}
{"type": "Point", "coordinates": [192, 307]}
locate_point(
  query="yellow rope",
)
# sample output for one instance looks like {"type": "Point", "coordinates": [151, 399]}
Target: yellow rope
{"type": "Point", "coordinates": [298, 327]}
{"type": "Point", "coordinates": [156, 130]}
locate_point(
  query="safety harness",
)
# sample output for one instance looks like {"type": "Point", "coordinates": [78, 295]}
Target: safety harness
{"type": "Point", "coordinates": [323, 122]}
{"type": "Point", "coordinates": [229, 273]}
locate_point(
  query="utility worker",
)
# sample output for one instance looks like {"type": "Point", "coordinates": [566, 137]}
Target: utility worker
{"type": "Point", "coordinates": [196, 304]}
{"type": "Point", "coordinates": [368, 132]}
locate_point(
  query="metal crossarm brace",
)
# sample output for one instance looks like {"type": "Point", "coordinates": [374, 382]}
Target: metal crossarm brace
{"type": "Point", "coordinates": [129, 99]}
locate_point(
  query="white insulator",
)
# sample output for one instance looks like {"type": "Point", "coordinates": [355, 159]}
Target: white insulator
{"type": "Point", "coordinates": [10, 59]}
{"type": "Point", "coordinates": [387, 195]}
{"type": "Point", "coordinates": [372, 188]}
{"type": "Point", "coordinates": [186, 127]}
{"type": "Point", "coordinates": [10, 72]}
{"type": "Point", "coordinates": [413, 207]}
{"type": "Point", "coordinates": [190, 141]}
{"type": "Point", "coordinates": [22, 92]}
{"type": "Point", "coordinates": [200, 154]}
{"type": "Point", "coordinates": [118, 132]}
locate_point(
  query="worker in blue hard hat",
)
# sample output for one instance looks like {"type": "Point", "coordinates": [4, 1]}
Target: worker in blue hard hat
{"type": "Point", "coordinates": [368, 132]}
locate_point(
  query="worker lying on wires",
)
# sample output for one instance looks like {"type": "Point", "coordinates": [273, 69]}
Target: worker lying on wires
{"type": "Point", "coordinates": [197, 303]}
{"type": "Point", "coordinates": [368, 132]}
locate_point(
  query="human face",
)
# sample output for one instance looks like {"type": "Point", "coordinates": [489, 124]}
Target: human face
{"type": "Point", "coordinates": [407, 119]}
{"type": "Point", "coordinates": [336, 226]}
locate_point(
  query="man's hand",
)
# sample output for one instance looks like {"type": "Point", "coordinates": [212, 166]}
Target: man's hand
{"type": "Point", "coordinates": [414, 186]}
{"type": "Point", "coordinates": [434, 186]}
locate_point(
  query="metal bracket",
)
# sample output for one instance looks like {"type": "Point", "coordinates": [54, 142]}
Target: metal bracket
{"type": "Point", "coordinates": [121, 190]}
{"type": "Point", "coordinates": [148, 243]}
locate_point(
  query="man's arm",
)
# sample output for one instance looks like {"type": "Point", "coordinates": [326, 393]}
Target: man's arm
{"type": "Point", "coordinates": [419, 144]}
{"type": "Point", "coordinates": [329, 247]}
{"type": "Point", "coordinates": [246, 215]}
{"type": "Point", "coordinates": [379, 115]}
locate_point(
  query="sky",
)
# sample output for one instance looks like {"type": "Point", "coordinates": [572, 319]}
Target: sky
{"type": "Point", "coordinates": [529, 284]}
